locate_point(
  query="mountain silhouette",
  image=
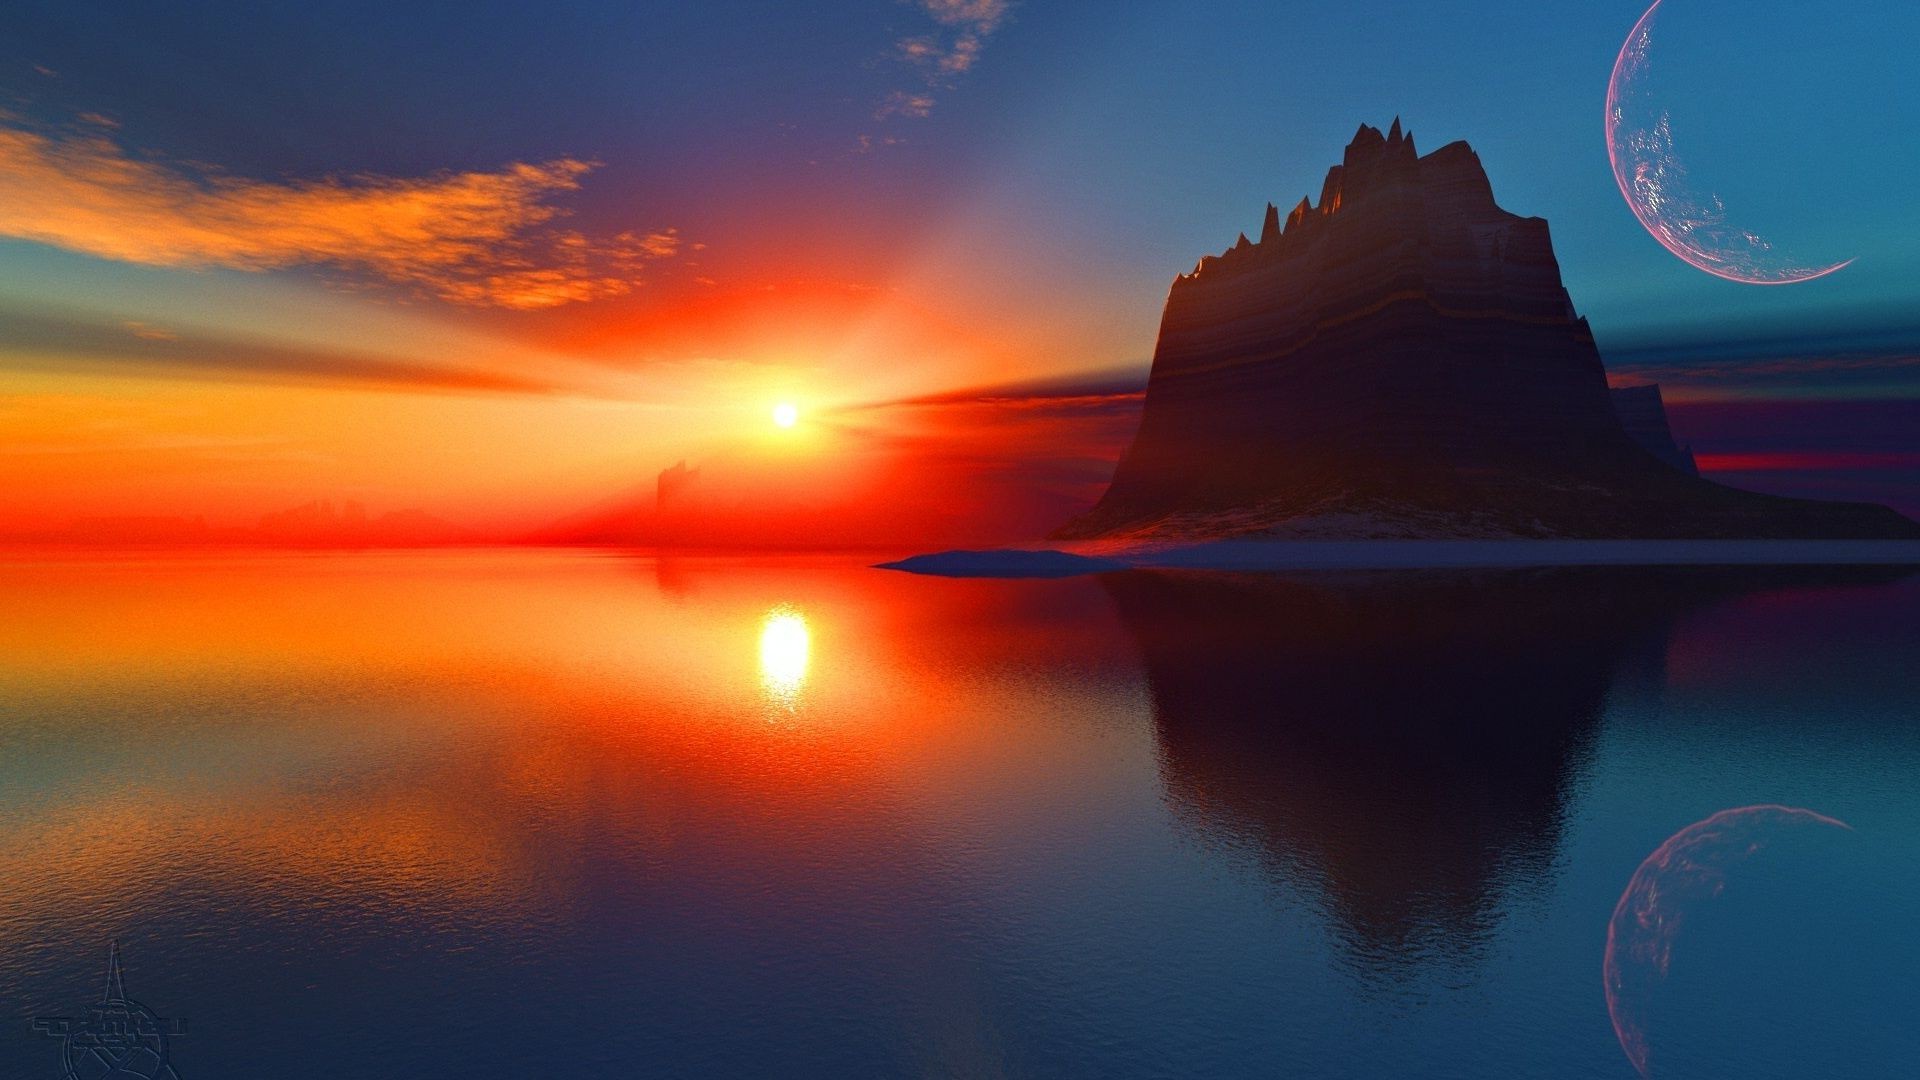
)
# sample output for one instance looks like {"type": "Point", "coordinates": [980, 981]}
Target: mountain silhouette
{"type": "Point", "coordinates": [1402, 360]}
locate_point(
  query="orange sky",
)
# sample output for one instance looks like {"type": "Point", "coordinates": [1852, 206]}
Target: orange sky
{"type": "Point", "coordinates": [516, 346]}
{"type": "Point", "coordinates": [201, 346]}
{"type": "Point", "coordinates": [522, 434]}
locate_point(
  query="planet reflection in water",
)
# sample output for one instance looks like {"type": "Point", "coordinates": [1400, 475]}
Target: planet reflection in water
{"type": "Point", "coordinates": [1684, 886]}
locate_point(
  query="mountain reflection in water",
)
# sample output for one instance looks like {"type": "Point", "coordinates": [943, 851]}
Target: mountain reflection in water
{"type": "Point", "coordinates": [1406, 743]}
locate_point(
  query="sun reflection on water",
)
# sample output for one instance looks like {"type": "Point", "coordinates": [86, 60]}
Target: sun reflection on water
{"type": "Point", "coordinates": [785, 643]}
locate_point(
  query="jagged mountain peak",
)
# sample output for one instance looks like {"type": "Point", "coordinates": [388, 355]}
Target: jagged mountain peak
{"type": "Point", "coordinates": [1404, 360]}
{"type": "Point", "coordinates": [1378, 171]}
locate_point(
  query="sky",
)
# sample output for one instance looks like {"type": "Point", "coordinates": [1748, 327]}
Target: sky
{"type": "Point", "coordinates": [503, 263]}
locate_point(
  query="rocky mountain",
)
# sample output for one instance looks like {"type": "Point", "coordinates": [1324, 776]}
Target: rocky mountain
{"type": "Point", "coordinates": [1401, 359]}
{"type": "Point", "coordinates": [1643, 414]}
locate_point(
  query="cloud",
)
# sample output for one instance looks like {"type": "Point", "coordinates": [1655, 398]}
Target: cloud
{"type": "Point", "coordinates": [1120, 388]}
{"type": "Point", "coordinates": [149, 332]}
{"type": "Point", "coordinates": [38, 342]}
{"type": "Point", "coordinates": [476, 238]}
{"type": "Point", "coordinates": [903, 103]}
{"type": "Point", "coordinates": [1771, 366]}
{"type": "Point", "coordinates": [662, 245]}
{"type": "Point", "coordinates": [1810, 376]}
{"type": "Point", "coordinates": [936, 56]}
{"type": "Point", "coordinates": [979, 16]}
{"type": "Point", "coordinates": [963, 27]}
{"type": "Point", "coordinates": [964, 52]}
{"type": "Point", "coordinates": [864, 144]}
{"type": "Point", "coordinates": [1861, 361]}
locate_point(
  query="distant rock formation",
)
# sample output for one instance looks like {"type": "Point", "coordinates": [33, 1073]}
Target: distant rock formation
{"type": "Point", "coordinates": [673, 482]}
{"type": "Point", "coordinates": [1644, 416]}
{"type": "Point", "coordinates": [1402, 360]}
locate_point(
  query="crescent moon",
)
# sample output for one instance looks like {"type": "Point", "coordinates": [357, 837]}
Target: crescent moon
{"type": "Point", "coordinates": [1688, 869]}
{"type": "Point", "coordinates": [1654, 183]}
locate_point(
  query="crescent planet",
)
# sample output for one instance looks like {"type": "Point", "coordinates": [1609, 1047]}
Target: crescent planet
{"type": "Point", "coordinates": [1655, 184]}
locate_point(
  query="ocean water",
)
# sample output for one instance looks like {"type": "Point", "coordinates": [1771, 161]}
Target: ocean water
{"type": "Point", "coordinates": [534, 814]}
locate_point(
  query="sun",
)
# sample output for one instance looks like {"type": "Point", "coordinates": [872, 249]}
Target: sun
{"type": "Point", "coordinates": [785, 415]}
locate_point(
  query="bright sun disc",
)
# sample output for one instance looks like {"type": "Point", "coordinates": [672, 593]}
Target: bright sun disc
{"type": "Point", "coordinates": [785, 414]}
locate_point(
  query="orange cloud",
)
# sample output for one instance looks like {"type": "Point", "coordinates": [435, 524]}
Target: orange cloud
{"type": "Point", "coordinates": [662, 245]}
{"type": "Point", "coordinates": [149, 332]}
{"type": "Point", "coordinates": [941, 58]}
{"type": "Point", "coordinates": [43, 342]}
{"type": "Point", "coordinates": [476, 238]}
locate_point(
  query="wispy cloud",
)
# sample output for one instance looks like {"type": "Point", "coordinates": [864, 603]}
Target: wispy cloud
{"type": "Point", "coordinates": [1874, 357]}
{"type": "Point", "coordinates": [41, 342]}
{"type": "Point", "coordinates": [903, 103]}
{"type": "Point", "coordinates": [865, 143]}
{"type": "Point", "coordinates": [980, 17]}
{"type": "Point", "coordinates": [662, 245]}
{"type": "Point", "coordinates": [1121, 388]}
{"type": "Point", "coordinates": [476, 238]}
{"type": "Point", "coordinates": [1871, 374]}
{"type": "Point", "coordinates": [948, 50]}
{"type": "Point", "coordinates": [149, 332]}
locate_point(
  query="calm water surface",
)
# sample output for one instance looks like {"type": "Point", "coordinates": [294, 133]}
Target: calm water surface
{"type": "Point", "coordinates": [562, 815]}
